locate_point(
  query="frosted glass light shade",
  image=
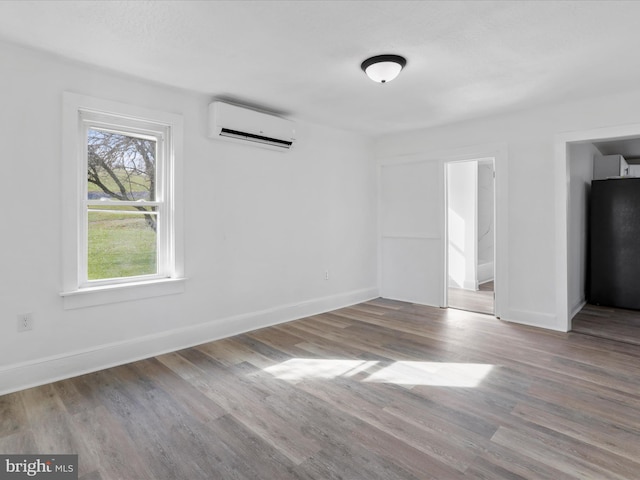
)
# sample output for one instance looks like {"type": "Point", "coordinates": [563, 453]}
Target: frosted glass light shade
{"type": "Point", "coordinates": [383, 68]}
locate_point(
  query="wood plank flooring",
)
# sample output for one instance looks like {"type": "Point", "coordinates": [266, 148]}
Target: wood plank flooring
{"type": "Point", "coordinates": [608, 322]}
{"type": "Point", "coordinates": [480, 301]}
{"type": "Point", "coordinates": [381, 390]}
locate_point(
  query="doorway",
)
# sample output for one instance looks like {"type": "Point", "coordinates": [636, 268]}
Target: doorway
{"type": "Point", "coordinates": [470, 232]}
{"type": "Point", "coordinates": [603, 321]}
{"type": "Point", "coordinates": [568, 271]}
{"type": "Point", "coordinates": [412, 225]}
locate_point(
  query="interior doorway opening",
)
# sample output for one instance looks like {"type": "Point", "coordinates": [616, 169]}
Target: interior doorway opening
{"type": "Point", "coordinates": [470, 232]}
{"type": "Point", "coordinates": [585, 159]}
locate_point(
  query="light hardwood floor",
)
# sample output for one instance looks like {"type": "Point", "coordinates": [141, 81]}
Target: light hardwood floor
{"type": "Point", "coordinates": [480, 301]}
{"type": "Point", "coordinates": [380, 390]}
{"type": "Point", "coordinates": [608, 322]}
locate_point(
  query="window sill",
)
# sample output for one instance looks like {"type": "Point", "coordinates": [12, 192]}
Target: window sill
{"type": "Point", "coordinates": [90, 297]}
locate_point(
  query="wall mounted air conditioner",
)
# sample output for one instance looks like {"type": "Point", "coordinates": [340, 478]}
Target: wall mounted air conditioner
{"type": "Point", "coordinates": [243, 125]}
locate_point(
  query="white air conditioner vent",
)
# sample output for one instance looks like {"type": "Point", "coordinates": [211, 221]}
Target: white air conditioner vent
{"type": "Point", "coordinates": [243, 125]}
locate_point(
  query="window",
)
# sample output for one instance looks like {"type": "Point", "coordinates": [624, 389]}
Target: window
{"type": "Point", "coordinates": [125, 217]}
{"type": "Point", "coordinates": [122, 224]}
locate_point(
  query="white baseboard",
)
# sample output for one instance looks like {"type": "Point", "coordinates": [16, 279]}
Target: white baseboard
{"type": "Point", "coordinates": [533, 319]}
{"type": "Point", "coordinates": [575, 310]}
{"type": "Point", "coordinates": [50, 369]}
{"type": "Point", "coordinates": [485, 272]}
{"type": "Point", "coordinates": [469, 285]}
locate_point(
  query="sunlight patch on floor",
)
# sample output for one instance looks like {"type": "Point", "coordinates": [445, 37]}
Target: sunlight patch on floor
{"type": "Point", "coordinates": [441, 374]}
{"type": "Point", "coordinates": [307, 368]}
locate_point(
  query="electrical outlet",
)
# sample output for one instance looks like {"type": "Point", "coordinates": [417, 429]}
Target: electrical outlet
{"type": "Point", "coordinates": [25, 322]}
{"type": "Point", "coordinates": [326, 274]}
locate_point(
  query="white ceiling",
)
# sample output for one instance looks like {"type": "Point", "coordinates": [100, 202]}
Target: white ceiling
{"type": "Point", "coordinates": [302, 58]}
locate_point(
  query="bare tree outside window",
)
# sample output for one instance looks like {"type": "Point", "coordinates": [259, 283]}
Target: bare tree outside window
{"type": "Point", "coordinates": [121, 167]}
{"type": "Point", "coordinates": [122, 239]}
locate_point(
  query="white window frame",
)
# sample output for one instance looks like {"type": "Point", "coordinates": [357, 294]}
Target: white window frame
{"type": "Point", "coordinates": [81, 113]}
{"type": "Point", "coordinates": [161, 134]}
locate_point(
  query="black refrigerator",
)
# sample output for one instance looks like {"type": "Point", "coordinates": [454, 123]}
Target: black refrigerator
{"type": "Point", "coordinates": [614, 243]}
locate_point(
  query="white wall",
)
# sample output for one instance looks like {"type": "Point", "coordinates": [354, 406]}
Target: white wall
{"type": "Point", "coordinates": [581, 174]}
{"type": "Point", "coordinates": [410, 240]}
{"type": "Point", "coordinates": [530, 138]}
{"type": "Point", "coordinates": [462, 238]}
{"type": "Point", "coordinates": [485, 221]}
{"type": "Point", "coordinates": [261, 228]}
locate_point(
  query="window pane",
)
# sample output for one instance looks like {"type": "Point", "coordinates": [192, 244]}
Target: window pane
{"type": "Point", "coordinates": [120, 167]}
{"type": "Point", "coordinates": [121, 244]}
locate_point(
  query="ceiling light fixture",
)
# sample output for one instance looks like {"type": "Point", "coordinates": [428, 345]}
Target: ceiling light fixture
{"type": "Point", "coordinates": [383, 68]}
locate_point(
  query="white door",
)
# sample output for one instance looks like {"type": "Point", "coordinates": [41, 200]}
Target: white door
{"type": "Point", "coordinates": [411, 243]}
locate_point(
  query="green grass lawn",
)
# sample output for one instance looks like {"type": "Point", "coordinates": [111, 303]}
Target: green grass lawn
{"type": "Point", "coordinates": [120, 245]}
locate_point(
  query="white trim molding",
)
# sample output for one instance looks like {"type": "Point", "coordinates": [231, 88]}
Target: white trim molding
{"type": "Point", "coordinates": [46, 370]}
{"type": "Point", "coordinates": [75, 290]}
{"type": "Point", "coordinates": [533, 319]}
{"type": "Point", "coordinates": [123, 292]}
{"type": "Point", "coordinates": [565, 312]}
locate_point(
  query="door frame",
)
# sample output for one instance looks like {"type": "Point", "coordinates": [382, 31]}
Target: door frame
{"type": "Point", "coordinates": [446, 224]}
{"type": "Point", "coordinates": [564, 313]}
